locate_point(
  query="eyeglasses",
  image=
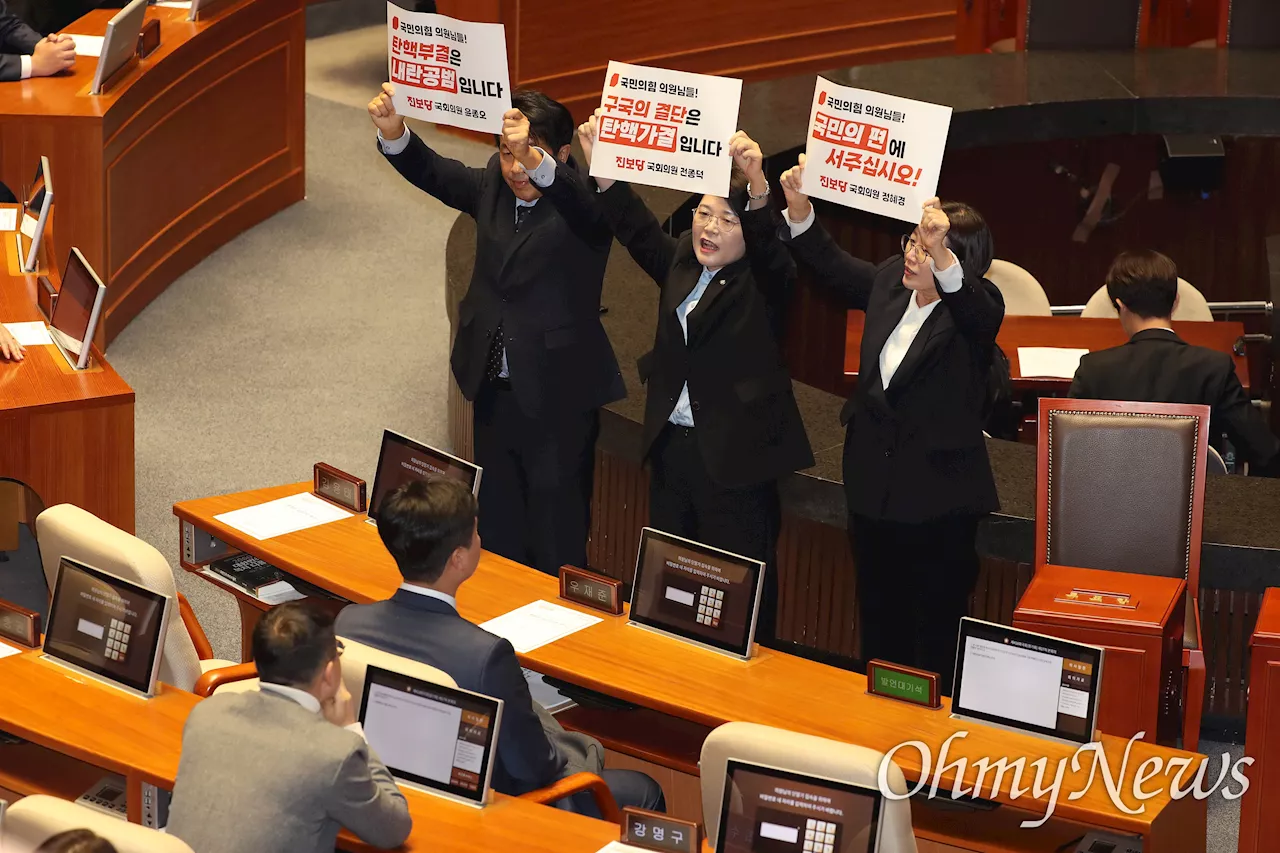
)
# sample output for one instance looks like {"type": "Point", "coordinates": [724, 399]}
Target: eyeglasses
{"type": "Point", "coordinates": [703, 217]}
{"type": "Point", "coordinates": [910, 244]}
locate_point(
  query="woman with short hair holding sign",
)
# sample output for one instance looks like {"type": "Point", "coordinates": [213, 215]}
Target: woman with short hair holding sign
{"type": "Point", "coordinates": [721, 423]}
{"type": "Point", "coordinates": [916, 474]}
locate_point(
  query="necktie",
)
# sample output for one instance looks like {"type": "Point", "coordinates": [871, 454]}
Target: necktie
{"type": "Point", "coordinates": [493, 368]}
{"type": "Point", "coordinates": [522, 213]}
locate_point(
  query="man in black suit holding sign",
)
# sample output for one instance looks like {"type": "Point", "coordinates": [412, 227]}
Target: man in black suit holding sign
{"type": "Point", "coordinates": [530, 350]}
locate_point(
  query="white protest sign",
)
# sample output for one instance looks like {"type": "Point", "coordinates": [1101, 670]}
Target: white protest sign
{"type": "Point", "coordinates": [448, 71]}
{"type": "Point", "coordinates": [872, 151]}
{"type": "Point", "coordinates": [666, 128]}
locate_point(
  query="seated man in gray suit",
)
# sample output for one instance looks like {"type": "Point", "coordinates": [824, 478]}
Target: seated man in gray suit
{"type": "Point", "coordinates": [429, 526]}
{"type": "Point", "coordinates": [283, 768]}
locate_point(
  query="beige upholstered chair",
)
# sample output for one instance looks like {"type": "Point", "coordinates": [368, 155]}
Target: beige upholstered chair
{"type": "Point", "coordinates": [1191, 304]}
{"type": "Point", "coordinates": [807, 754]}
{"type": "Point", "coordinates": [1022, 294]}
{"type": "Point", "coordinates": [357, 658]}
{"type": "Point", "coordinates": [69, 531]}
{"type": "Point", "coordinates": [33, 820]}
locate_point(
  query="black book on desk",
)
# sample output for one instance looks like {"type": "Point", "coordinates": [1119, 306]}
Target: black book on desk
{"type": "Point", "coordinates": [247, 572]}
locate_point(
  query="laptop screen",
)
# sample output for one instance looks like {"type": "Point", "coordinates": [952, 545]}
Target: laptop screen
{"type": "Point", "coordinates": [767, 810]}
{"type": "Point", "coordinates": [696, 592]}
{"type": "Point", "coordinates": [402, 460]}
{"type": "Point", "coordinates": [430, 736]}
{"type": "Point", "coordinates": [106, 625]}
{"type": "Point", "coordinates": [1028, 681]}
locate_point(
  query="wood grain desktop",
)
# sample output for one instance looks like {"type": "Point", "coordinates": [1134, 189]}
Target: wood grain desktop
{"type": "Point", "coordinates": [664, 675]}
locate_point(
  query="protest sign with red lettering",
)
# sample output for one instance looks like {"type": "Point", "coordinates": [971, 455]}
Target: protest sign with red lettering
{"type": "Point", "coordinates": [448, 71]}
{"type": "Point", "coordinates": [666, 128]}
{"type": "Point", "coordinates": [872, 151]}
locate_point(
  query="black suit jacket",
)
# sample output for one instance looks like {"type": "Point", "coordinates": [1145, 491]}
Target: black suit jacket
{"type": "Point", "coordinates": [429, 630]}
{"type": "Point", "coordinates": [1156, 366]}
{"type": "Point", "coordinates": [916, 452]}
{"type": "Point", "coordinates": [542, 285]}
{"type": "Point", "coordinates": [16, 39]}
{"type": "Point", "coordinates": [748, 425]}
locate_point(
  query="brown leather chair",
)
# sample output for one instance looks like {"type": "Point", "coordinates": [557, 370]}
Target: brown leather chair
{"type": "Point", "coordinates": [1120, 486]}
{"type": "Point", "coordinates": [1083, 24]}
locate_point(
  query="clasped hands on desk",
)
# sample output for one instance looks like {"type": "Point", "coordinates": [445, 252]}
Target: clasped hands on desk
{"type": "Point", "coordinates": [664, 675]}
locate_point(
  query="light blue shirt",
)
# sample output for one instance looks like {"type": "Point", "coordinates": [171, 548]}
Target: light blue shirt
{"type": "Point", "coordinates": [682, 414]}
{"type": "Point", "coordinates": [543, 177]}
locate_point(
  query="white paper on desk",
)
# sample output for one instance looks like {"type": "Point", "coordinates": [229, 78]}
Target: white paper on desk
{"type": "Point", "coordinates": [9, 219]}
{"type": "Point", "coordinates": [32, 334]}
{"type": "Point", "coordinates": [87, 45]}
{"type": "Point", "coordinates": [538, 623]}
{"type": "Point", "coordinates": [174, 4]}
{"type": "Point", "coordinates": [618, 847]}
{"type": "Point", "coordinates": [544, 694]}
{"type": "Point", "coordinates": [1057, 362]}
{"type": "Point", "coordinates": [285, 515]}
{"type": "Point", "coordinates": [278, 593]}
{"type": "Point", "coordinates": [7, 650]}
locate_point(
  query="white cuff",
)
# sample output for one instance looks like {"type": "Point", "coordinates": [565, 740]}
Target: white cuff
{"type": "Point", "coordinates": [798, 228]}
{"type": "Point", "coordinates": [358, 729]}
{"type": "Point", "coordinates": [26, 67]}
{"type": "Point", "coordinates": [394, 146]}
{"type": "Point", "coordinates": [952, 278]}
{"type": "Point", "coordinates": [545, 175]}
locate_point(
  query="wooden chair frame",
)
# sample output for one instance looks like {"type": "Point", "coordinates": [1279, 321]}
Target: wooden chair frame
{"type": "Point", "coordinates": [1144, 23]}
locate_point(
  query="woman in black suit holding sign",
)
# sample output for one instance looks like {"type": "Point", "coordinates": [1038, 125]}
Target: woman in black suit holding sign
{"type": "Point", "coordinates": [721, 423]}
{"type": "Point", "coordinates": [916, 474]}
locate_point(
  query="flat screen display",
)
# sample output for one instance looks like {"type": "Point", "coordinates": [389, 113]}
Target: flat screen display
{"type": "Point", "coordinates": [106, 625]}
{"type": "Point", "coordinates": [35, 218]}
{"type": "Point", "coordinates": [430, 736]}
{"type": "Point", "coordinates": [767, 810]}
{"type": "Point", "coordinates": [696, 592]}
{"type": "Point", "coordinates": [75, 316]}
{"type": "Point", "coordinates": [402, 460]}
{"type": "Point", "coordinates": [1027, 681]}
{"type": "Point", "coordinates": [120, 43]}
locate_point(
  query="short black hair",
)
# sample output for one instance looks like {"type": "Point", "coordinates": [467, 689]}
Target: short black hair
{"type": "Point", "coordinates": [76, 841]}
{"type": "Point", "coordinates": [550, 122]}
{"type": "Point", "coordinates": [423, 522]}
{"type": "Point", "coordinates": [1146, 282]}
{"type": "Point", "coordinates": [293, 642]}
{"type": "Point", "coordinates": [970, 238]}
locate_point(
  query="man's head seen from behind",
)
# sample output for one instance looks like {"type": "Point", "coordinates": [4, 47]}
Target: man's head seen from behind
{"type": "Point", "coordinates": [429, 528]}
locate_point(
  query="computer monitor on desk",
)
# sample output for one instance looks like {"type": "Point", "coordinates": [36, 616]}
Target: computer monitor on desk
{"type": "Point", "coordinates": [76, 313]}
{"type": "Point", "coordinates": [696, 593]}
{"type": "Point", "coordinates": [120, 45]}
{"type": "Point", "coordinates": [202, 9]}
{"type": "Point", "coordinates": [402, 460]}
{"type": "Point", "coordinates": [1027, 682]}
{"type": "Point", "coordinates": [769, 810]}
{"type": "Point", "coordinates": [35, 216]}
{"type": "Point", "coordinates": [106, 627]}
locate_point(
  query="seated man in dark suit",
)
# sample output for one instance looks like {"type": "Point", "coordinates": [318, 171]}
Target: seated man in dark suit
{"type": "Point", "coordinates": [281, 769]}
{"type": "Point", "coordinates": [23, 53]}
{"type": "Point", "coordinates": [429, 526]}
{"type": "Point", "coordinates": [1156, 366]}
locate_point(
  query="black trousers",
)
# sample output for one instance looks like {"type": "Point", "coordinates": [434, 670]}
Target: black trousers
{"type": "Point", "coordinates": [686, 501]}
{"type": "Point", "coordinates": [914, 582]}
{"type": "Point", "coordinates": [535, 492]}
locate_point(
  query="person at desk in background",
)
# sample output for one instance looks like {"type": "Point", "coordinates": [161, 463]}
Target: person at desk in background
{"type": "Point", "coordinates": [24, 53]}
{"type": "Point", "coordinates": [530, 349]}
{"type": "Point", "coordinates": [282, 769]}
{"type": "Point", "coordinates": [430, 529]}
{"type": "Point", "coordinates": [1157, 366]}
{"type": "Point", "coordinates": [10, 349]}
{"type": "Point", "coordinates": [721, 423]}
{"type": "Point", "coordinates": [916, 474]}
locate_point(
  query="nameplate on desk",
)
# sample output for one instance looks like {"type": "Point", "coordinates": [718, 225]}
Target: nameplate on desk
{"type": "Point", "coordinates": [903, 683]}
{"type": "Point", "coordinates": [148, 38]}
{"type": "Point", "coordinates": [590, 589]}
{"type": "Point", "coordinates": [654, 831]}
{"type": "Point", "coordinates": [1120, 600]}
{"type": "Point", "coordinates": [339, 487]}
{"type": "Point", "coordinates": [19, 624]}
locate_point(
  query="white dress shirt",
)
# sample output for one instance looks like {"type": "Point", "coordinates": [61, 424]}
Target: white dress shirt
{"type": "Point", "coordinates": [682, 414]}
{"type": "Point", "coordinates": [904, 334]}
{"type": "Point", "coordinates": [26, 67]}
{"type": "Point", "coordinates": [543, 176]}
{"type": "Point", "coordinates": [304, 699]}
{"type": "Point", "coordinates": [431, 593]}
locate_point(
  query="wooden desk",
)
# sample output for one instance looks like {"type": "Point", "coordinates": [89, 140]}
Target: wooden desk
{"type": "Point", "coordinates": [1260, 805]}
{"type": "Point", "coordinates": [1091, 333]}
{"type": "Point", "coordinates": [72, 721]}
{"type": "Point", "coordinates": [66, 434]}
{"type": "Point", "coordinates": [197, 143]}
{"type": "Point", "coordinates": [703, 687]}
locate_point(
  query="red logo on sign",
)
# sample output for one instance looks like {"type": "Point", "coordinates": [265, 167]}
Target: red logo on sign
{"type": "Point", "coordinates": [395, 23]}
{"type": "Point", "coordinates": [822, 98]}
{"type": "Point", "coordinates": [614, 81]}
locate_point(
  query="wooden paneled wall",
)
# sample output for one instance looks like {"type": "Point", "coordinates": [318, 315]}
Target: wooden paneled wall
{"type": "Point", "coordinates": [564, 48]}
